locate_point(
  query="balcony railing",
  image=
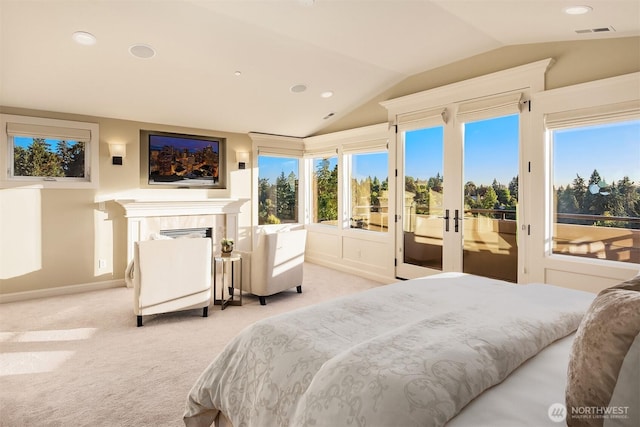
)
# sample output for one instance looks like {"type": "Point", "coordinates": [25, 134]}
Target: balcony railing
{"type": "Point", "coordinates": [588, 236]}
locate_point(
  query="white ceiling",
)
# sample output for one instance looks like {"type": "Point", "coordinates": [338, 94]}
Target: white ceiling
{"type": "Point", "coordinates": [355, 48]}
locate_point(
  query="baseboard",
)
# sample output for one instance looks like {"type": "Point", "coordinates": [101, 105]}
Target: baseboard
{"type": "Point", "coordinates": [61, 290]}
{"type": "Point", "coordinates": [351, 270]}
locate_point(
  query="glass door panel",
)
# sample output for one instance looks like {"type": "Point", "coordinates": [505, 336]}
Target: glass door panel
{"type": "Point", "coordinates": [491, 165]}
{"type": "Point", "coordinates": [422, 201]}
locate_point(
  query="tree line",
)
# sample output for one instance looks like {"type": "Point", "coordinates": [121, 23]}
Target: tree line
{"type": "Point", "coordinates": [428, 193]}
{"type": "Point", "coordinates": [278, 202]}
{"type": "Point", "coordinates": [596, 198]}
{"type": "Point", "coordinates": [38, 159]}
{"type": "Point", "coordinates": [618, 199]}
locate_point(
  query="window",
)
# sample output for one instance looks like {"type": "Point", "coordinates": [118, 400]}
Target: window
{"type": "Point", "coordinates": [277, 190]}
{"type": "Point", "coordinates": [56, 153]}
{"type": "Point", "coordinates": [369, 191]}
{"type": "Point", "coordinates": [324, 190]}
{"type": "Point", "coordinates": [596, 185]}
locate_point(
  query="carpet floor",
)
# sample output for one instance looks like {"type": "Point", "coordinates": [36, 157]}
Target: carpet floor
{"type": "Point", "coordinates": [80, 360]}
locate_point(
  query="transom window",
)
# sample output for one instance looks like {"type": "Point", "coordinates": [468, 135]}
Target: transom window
{"type": "Point", "coordinates": [55, 153]}
{"type": "Point", "coordinates": [48, 158]}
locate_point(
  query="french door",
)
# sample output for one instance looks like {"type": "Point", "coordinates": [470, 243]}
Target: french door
{"type": "Point", "coordinates": [457, 201]}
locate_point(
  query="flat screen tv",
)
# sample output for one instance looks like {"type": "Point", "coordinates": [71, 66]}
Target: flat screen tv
{"type": "Point", "coordinates": [179, 160]}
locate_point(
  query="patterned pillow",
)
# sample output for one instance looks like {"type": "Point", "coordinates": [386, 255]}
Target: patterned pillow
{"type": "Point", "coordinates": [603, 380]}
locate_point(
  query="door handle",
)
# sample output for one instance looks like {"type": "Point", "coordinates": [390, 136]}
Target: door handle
{"type": "Point", "coordinates": [446, 220]}
{"type": "Point", "coordinates": [456, 218]}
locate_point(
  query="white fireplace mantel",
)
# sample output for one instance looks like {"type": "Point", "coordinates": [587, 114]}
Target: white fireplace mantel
{"type": "Point", "coordinates": [152, 208]}
{"type": "Point", "coordinates": [148, 216]}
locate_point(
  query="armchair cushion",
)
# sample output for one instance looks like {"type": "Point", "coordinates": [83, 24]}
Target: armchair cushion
{"type": "Point", "coordinates": [170, 275]}
{"type": "Point", "coordinates": [277, 261]}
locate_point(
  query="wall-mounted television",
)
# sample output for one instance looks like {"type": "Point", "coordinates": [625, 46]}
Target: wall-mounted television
{"type": "Point", "coordinates": [186, 161]}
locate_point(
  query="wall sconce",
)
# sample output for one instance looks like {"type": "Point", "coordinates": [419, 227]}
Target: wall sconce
{"type": "Point", "coordinates": [242, 157]}
{"type": "Point", "coordinates": [118, 152]}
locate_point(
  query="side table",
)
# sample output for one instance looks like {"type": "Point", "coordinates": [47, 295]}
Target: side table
{"type": "Point", "coordinates": [229, 266]}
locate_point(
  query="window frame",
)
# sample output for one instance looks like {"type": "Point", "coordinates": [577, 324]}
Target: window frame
{"type": "Point", "coordinates": [276, 146]}
{"type": "Point", "coordinates": [311, 197]}
{"type": "Point", "coordinates": [298, 195]}
{"type": "Point", "coordinates": [348, 171]}
{"type": "Point", "coordinates": [599, 95]}
{"type": "Point", "coordinates": [576, 120]}
{"type": "Point", "coordinates": [92, 154]}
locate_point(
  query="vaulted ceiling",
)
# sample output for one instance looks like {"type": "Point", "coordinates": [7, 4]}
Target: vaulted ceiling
{"type": "Point", "coordinates": [241, 65]}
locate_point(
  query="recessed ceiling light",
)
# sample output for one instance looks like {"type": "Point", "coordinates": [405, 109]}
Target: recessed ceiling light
{"type": "Point", "coordinates": [142, 51]}
{"type": "Point", "coordinates": [298, 88]}
{"type": "Point", "coordinates": [84, 38]}
{"type": "Point", "coordinates": [237, 73]}
{"type": "Point", "coordinates": [577, 10]}
{"type": "Point", "coordinates": [326, 94]}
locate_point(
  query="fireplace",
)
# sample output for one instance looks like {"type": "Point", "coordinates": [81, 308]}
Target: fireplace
{"type": "Point", "coordinates": [146, 217]}
{"type": "Point", "coordinates": [181, 232]}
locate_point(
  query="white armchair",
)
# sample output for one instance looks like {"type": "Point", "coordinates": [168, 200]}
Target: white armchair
{"type": "Point", "coordinates": [276, 262]}
{"type": "Point", "coordinates": [171, 275]}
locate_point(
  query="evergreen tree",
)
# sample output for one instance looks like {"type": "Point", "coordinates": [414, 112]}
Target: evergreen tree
{"type": "Point", "coordinates": [504, 197]}
{"type": "Point", "coordinates": [327, 191]}
{"type": "Point", "coordinates": [383, 187]}
{"type": "Point", "coordinates": [629, 196]}
{"type": "Point", "coordinates": [567, 202]}
{"type": "Point", "coordinates": [579, 191]}
{"type": "Point", "coordinates": [286, 197]}
{"type": "Point", "coordinates": [41, 161]}
{"type": "Point", "coordinates": [265, 206]}
{"type": "Point", "coordinates": [595, 204]}
{"type": "Point", "coordinates": [75, 166]}
{"type": "Point", "coordinates": [490, 199]}
{"type": "Point", "coordinates": [513, 187]}
{"type": "Point", "coordinates": [496, 185]}
{"type": "Point", "coordinates": [375, 192]}
{"type": "Point", "coordinates": [64, 153]}
{"type": "Point", "coordinates": [20, 161]}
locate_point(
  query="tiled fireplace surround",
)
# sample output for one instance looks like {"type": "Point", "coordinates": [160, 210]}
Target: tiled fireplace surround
{"type": "Point", "coordinates": [145, 217]}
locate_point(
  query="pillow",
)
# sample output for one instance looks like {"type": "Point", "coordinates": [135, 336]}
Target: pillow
{"type": "Point", "coordinates": [603, 348]}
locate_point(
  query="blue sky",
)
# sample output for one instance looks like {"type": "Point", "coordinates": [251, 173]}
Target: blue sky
{"type": "Point", "coordinates": [373, 165]}
{"type": "Point", "coordinates": [491, 151]}
{"type": "Point", "coordinates": [25, 142]}
{"type": "Point", "coordinates": [271, 167]}
{"type": "Point", "coordinates": [614, 150]}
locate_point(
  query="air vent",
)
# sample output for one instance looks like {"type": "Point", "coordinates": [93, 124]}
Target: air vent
{"type": "Point", "coordinates": [596, 30]}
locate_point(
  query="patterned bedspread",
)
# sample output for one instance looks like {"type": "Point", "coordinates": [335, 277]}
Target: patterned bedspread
{"type": "Point", "coordinates": [412, 354]}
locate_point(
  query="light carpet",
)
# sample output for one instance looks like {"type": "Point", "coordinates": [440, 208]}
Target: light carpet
{"type": "Point", "coordinates": [80, 360]}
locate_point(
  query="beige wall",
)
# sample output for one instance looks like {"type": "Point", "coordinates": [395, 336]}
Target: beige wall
{"type": "Point", "coordinates": [576, 62]}
{"type": "Point", "coordinates": [51, 237]}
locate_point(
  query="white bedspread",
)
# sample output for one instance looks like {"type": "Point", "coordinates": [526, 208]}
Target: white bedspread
{"type": "Point", "coordinates": [411, 353]}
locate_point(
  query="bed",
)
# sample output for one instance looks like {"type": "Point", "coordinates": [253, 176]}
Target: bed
{"type": "Point", "coordinates": [452, 349]}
